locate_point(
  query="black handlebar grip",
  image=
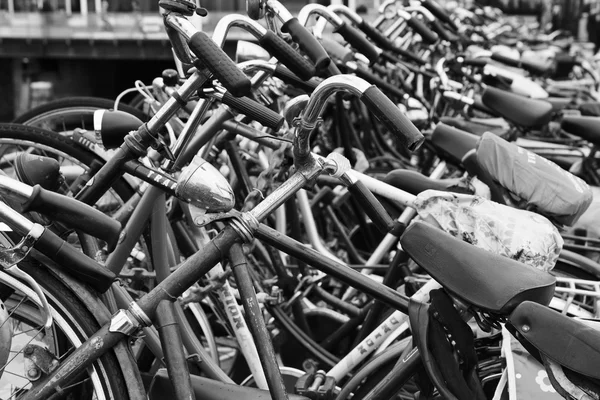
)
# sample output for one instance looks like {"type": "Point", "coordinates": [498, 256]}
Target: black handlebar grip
{"type": "Point", "coordinates": [393, 119]}
{"type": "Point", "coordinates": [358, 41]}
{"type": "Point", "coordinates": [442, 32]}
{"type": "Point", "coordinates": [372, 207]}
{"type": "Point", "coordinates": [439, 12]}
{"type": "Point", "coordinates": [290, 78]}
{"type": "Point", "coordinates": [74, 214]}
{"type": "Point", "coordinates": [379, 82]}
{"type": "Point", "coordinates": [74, 261]}
{"type": "Point", "coordinates": [475, 62]}
{"type": "Point", "coordinates": [376, 35]}
{"type": "Point", "coordinates": [307, 42]}
{"type": "Point", "coordinates": [278, 48]}
{"type": "Point", "coordinates": [256, 111]}
{"type": "Point", "coordinates": [510, 61]}
{"type": "Point", "coordinates": [219, 63]}
{"type": "Point", "coordinates": [427, 34]}
{"type": "Point", "coordinates": [402, 53]}
{"type": "Point", "coordinates": [538, 68]}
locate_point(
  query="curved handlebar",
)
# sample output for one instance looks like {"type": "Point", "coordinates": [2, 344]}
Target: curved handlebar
{"type": "Point", "coordinates": [383, 108]}
{"type": "Point", "coordinates": [322, 11]}
{"type": "Point", "coordinates": [268, 40]}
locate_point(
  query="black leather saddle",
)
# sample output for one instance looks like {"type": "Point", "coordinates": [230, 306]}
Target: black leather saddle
{"type": "Point", "coordinates": [587, 128]}
{"type": "Point", "coordinates": [520, 110]}
{"type": "Point", "coordinates": [479, 106]}
{"type": "Point", "coordinates": [488, 281]}
{"type": "Point", "coordinates": [564, 340]}
{"type": "Point", "coordinates": [414, 182]}
{"type": "Point", "coordinates": [453, 143]}
{"type": "Point", "coordinates": [590, 109]}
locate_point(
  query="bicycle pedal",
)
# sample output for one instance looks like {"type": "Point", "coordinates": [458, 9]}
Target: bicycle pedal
{"type": "Point", "coordinates": [315, 386]}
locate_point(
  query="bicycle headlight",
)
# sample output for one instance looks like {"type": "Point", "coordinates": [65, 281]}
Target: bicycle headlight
{"type": "Point", "coordinates": [203, 186]}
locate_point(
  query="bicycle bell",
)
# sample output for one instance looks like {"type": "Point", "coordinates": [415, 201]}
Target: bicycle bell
{"type": "Point", "coordinates": [203, 186]}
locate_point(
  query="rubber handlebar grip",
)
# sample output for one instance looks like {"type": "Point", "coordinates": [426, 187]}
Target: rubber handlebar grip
{"type": "Point", "coordinates": [439, 12]}
{"type": "Point", "coordinates": [535, 67]}
{"type": "Point", "coordinates": [290, 78]}
{"type": "Point", "coordinates": [510, 61]}
{"type": "Point", "coordinates": [336, 50]}
{"type": "Point", "coordinates": [391, 56]}
{"type": "Point", "coordinates": [358, 41]}
{"type": "Point", "coordinates": [219, 63]}
{"type": "Point", "coordinates": [427, 34]}
{"type": "Point", "coordinates": [371, 206]}
{"type": "Point", "coordinates": [379, 82]}
{"type": "Point", "coordinates": [307, 42]}
{"type": "Point", "coordinates": [475, 62]}
{"type": "Point", "coordinates": [392, 118]}
{"type": "Point", "coordinates": [376, 35]}
{"type": "Point", "coordinates": [442, 32]}
{"type": "Point", "coordinates": [74, 214]}
{"type": "Point", "coordinates": [518, 63]}
{"type": "Point", "coordinates": [284, 53]}
{"type": "Point", "coordinates": [256, 111]}
{"type": "Point", "coordinates": [75, 262]}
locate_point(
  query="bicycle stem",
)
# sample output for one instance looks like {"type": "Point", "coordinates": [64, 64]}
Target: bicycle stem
{"type": "Point", "coordinates": [314, 108]}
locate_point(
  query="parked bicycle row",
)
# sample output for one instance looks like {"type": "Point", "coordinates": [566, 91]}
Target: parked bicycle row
{"type": "Point", "coordinates": [347, 209]}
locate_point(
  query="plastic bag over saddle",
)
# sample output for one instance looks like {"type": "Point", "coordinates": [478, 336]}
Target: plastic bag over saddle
{"type": "Point", "coordinates": [517, 234]}
{"type": "Point", "coordinates": [554, 192]}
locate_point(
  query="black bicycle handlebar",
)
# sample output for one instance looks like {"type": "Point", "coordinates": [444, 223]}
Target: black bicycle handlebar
{"type": "Point", "coordinates": [254, 110]}
{"type": "Point", "coordinates": [74, 261]}
{"type": "Point", "coordinates": [439, 12]}
{"type": "Point", "coordinates": [394, 120]}
{"type": "Point", "coordinates": [219, 63]}
{"type": "Point", "coordinates": [278, 48]}
{"type": "Point", "coordinates": [375, 34]}
{"type": "Point", "coordinates": [442, 32]}
{"type": "Point", "coordinates": [289, 77]}
{"type": "Point", "coordinates": [358, 41]}
{"type": "Point", "coordinates": [74, 214]}
{"type": "Point", "coordinates": [307, 42]}
{"type": "Point", "coordinates": [374, 79]}
{"type": "Point", "coordinates": [419, 26]}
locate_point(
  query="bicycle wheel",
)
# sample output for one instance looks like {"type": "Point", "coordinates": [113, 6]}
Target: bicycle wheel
{"type": "Point", "coordinates": [74, 160]}
{"type": "Point", "coordinates": [73, 324]}
{"type": "Point", "coordinates": [65, 115]}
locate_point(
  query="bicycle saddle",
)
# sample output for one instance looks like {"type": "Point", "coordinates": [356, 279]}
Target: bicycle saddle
{"type": "Point", "coordinates": [587, 128]}
{"type": "Point", "coordinates": [565, 340]}
{"type": "Point", "coordinates": [415, 182]}
{"type": "Point", "coordinates": [453, 143]}
{"type": "Point", "coordinates": [519, 110]}
{"type": "Point", "coordinates": [590, 109]}
{"type": "Point", "coordinates": [488, 281]}
{"type": "Point", "coordinates": [479, 106]}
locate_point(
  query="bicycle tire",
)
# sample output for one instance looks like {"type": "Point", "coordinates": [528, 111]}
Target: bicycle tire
{"type": "Point", "coordinates": [75, 322]}
{"type": "Point", "coordinates": [72, 109]}
{"type": "Point", "coordinates": [24, 135]}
